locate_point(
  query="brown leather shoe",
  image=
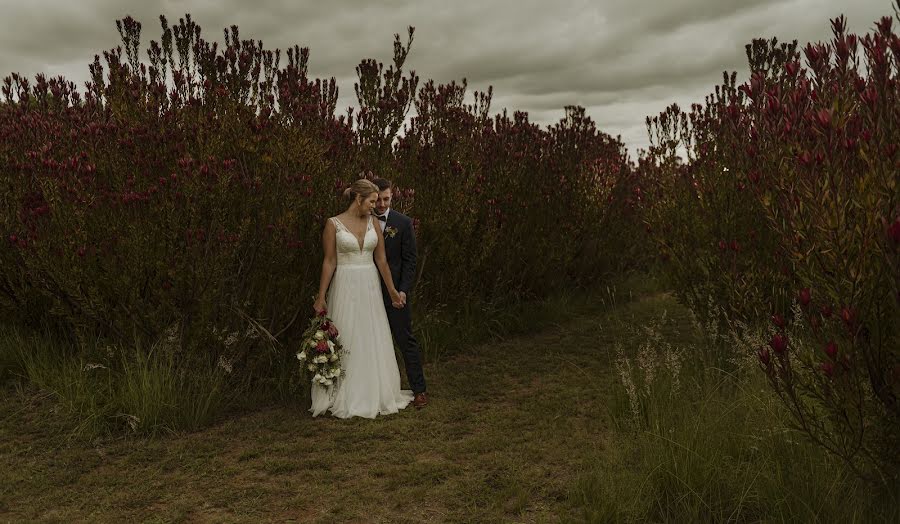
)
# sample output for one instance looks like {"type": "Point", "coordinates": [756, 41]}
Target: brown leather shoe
{"type": "Point", "coordinates": [420, 400]}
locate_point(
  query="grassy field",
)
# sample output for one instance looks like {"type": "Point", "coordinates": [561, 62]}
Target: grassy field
{"type": "Point", "coordinates": [525, 429]}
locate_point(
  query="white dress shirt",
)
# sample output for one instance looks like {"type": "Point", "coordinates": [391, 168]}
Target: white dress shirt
{"type": "Point", "coordinates": [383, 224]}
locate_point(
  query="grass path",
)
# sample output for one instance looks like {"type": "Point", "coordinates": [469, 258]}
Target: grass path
{"type": "Point", "coordinates": [510, 427]}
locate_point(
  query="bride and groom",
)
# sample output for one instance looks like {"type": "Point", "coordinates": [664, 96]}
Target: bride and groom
{"type": "Point", "coordinates": [367, 241]}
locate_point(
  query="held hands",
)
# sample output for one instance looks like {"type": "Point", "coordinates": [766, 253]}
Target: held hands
{"type": "Point", "coordinates": [398, 300]}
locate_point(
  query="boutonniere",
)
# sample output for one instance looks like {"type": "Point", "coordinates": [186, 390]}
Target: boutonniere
{"type": "Point", "coordinates": [390, 231]}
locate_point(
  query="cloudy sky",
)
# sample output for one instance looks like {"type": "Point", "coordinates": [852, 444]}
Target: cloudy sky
{"type": "Point", "coordinates": [621, 59]}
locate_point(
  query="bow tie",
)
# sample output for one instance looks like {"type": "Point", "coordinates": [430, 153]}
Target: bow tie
{"type": "Point", "coordinates": [382, 218]}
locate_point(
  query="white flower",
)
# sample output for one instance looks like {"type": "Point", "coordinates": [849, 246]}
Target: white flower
{"type": "Point", "coordinates": [321, 359]}
{"type": "Point", "coordinates": [312, 343]}
{"type": "Point", "coordinates": [311, 367]}
{"type": "Point", "coordinates": [318, 378]}
{"type": "Point", "coordinates": [319, 335]}
{"type": "Point", "coordinates": [331, 345]}
{"type": "Point", "coordinates": [301, 355]}
{"type": "Point", "coordinates": [328, 382]}
{"type": "Point", "coordinates": [333, 357]}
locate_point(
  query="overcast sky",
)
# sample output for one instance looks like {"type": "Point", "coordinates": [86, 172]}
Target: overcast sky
{"type": "Point", "coordinates": [621, 59]}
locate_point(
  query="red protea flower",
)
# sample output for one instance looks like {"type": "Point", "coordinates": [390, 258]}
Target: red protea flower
{"type": "Point", "coordinates": [778, 343]}
{"type": "Point", "coordinates": [894, 231]}
{"type": "Point", "coordinates": [823, 117]}
{"type": "Point", "coordinates": [831, 349]}
{"type": "Point", "coordinates": [848, 315]}
{"type": "Point", "coordinates": [322, 346]}
{"type": "Point", "coordinates": [778, 320]}
{"type": "Point", "coordinates": [805, 296]}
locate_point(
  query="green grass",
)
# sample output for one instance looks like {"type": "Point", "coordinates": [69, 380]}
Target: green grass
{"type": "Point", "coordinates": [117, 390]}
{"type": "Point", "coordinates": [533, 427]}
{"type": "Point", "coordinates": [713, 445]}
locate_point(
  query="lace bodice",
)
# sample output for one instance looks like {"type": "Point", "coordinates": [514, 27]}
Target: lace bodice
{"type": "Point", "coordinates": [348, 248]}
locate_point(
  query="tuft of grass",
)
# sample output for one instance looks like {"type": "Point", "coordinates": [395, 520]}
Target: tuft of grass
{"type": "Point", "coordinates": [700, 444]}
{"type": "Point", "coordinates": [113, 390]}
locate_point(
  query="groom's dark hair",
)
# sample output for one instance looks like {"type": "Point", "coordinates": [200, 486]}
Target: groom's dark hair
{"type": "Point", "coordinates": [382, 184]}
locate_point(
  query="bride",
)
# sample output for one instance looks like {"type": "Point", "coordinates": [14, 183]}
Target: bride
{"type": "Point", "coordinates": [354, 258]}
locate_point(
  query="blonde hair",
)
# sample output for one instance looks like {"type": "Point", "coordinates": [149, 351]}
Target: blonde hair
{"type": "Point", "coordinates": [361, 188]}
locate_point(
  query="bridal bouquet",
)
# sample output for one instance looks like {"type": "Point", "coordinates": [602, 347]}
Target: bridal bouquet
{"type": "Point", "coordinates": [320, 352]}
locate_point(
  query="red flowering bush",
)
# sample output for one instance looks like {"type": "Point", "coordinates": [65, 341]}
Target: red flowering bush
{"type": "Point", "coordinates": [186, 195]}
{"type": "Point", "coordinates": [788, 208]}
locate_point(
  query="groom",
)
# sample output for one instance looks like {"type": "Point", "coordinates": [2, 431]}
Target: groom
{"type": "Point", "coordinates": [400, 248]}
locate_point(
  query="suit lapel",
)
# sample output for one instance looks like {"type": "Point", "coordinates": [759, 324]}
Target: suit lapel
{"type": "Point", "coordinates": [389, 241]}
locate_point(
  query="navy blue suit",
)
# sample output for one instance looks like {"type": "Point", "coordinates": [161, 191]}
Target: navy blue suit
{"type": "Point", "coordinates": [400, 250]}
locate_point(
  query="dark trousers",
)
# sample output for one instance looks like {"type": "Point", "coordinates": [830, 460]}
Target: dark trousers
{"type": "Point", "coordinates": [401, 327]}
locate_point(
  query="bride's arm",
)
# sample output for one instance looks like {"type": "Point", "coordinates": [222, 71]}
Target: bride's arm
{"type": "Point", "coordinates": [385, 270]}
{"type": "Point", "coordinates": [329, 263]}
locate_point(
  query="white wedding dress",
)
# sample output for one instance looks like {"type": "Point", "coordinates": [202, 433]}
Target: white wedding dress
{"type": "Point", "coordinates": [370, 385]}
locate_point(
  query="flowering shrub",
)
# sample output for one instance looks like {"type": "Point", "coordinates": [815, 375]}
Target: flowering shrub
{"type": "Point", "coordinates": [187, 194]}
{"type": "Point", "coordinates": [788, 211]}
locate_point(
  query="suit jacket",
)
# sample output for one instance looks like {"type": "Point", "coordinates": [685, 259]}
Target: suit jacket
{"type": "Point", "coordinates": [400, 250]}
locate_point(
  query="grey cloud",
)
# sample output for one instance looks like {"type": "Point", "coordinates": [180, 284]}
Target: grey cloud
{"type": "Point", "coordinates": [621, 59]}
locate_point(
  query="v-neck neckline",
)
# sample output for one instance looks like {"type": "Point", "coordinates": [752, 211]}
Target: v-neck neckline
{"type": "Point", "coordinates": [361, 243]}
